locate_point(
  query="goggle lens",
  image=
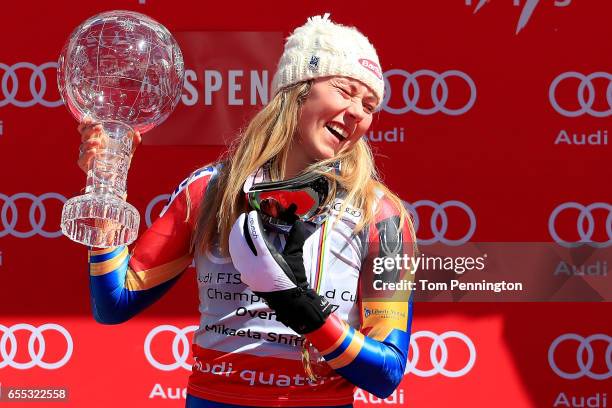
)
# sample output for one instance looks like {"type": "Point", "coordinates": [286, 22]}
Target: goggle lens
{"type": "Point", "coordinates": [274, 203]}
{"type": "Point", "coordinates": [280, 203]}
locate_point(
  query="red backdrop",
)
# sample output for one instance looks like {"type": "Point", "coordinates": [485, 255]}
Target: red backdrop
{"type": "Point", "coordinates": [498, 113]}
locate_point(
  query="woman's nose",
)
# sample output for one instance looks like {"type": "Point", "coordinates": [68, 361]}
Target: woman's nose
{"type": "Point", "coordinates": [356, 110]}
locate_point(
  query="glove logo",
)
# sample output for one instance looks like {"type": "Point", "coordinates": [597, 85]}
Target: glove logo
{"type": "Point", "coordinates": [253, 228]}
{"type": "Point", "coordinates": [326, 305]}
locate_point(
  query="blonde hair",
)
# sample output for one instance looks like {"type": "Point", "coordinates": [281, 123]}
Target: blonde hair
{"type": "Point", "coordinates": [268, 138]}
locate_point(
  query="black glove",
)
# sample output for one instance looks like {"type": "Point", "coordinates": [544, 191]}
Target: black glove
{"type": "Point", "coordinates": [279, 278]}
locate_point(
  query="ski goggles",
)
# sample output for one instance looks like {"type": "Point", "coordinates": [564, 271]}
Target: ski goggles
{"type": "Point", "coordinates": [280, 203]}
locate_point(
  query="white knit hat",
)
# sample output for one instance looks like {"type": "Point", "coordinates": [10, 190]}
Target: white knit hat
{"type": "Point", "coordinates": [322, 48]}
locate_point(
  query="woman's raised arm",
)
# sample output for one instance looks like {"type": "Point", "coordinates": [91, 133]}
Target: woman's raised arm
{"type": "Point", "coordinates": [123, 283]}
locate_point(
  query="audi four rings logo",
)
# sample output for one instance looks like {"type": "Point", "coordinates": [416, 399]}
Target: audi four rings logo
{"type": "Point", "coordinates": [37, 84]}
{"type": "Point", "coordinates": [439, 364]}
{"type": "Point", "coordinates": [585, 94]}
{"type": "Point", "coordinates": [439, 92]}
{"type": "Point", "coordinates": [37, 216]}
{"type": "Point", "coordinates": [9, 346]}
{"type": "Point", "coordinates": [38, 89]}
{"type": "Point", "coordinates": [180, 356]}
{"type": "Point", "coordinates": [439, 213]}
{"type": "Point", "coordinates": [585, 368]}
{"type": "Point", "coordinates": [585, 214]}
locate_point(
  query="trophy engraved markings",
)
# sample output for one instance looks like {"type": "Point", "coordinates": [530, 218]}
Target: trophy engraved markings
{"type": "Point", "coordinates": [125, 71]}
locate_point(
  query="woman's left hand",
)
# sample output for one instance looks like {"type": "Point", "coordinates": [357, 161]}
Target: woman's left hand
{"type": "Point", "coordinates": [279, 278]}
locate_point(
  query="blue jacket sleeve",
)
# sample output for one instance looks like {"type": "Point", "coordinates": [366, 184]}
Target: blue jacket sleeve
{"type": "Point", "coordinates": [374, 357]}
{"type": "Point", "coordinates": [123, 283]}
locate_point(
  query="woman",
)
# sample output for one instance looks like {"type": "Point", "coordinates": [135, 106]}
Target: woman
{"type": "Point", "coordinates": [279, 302]}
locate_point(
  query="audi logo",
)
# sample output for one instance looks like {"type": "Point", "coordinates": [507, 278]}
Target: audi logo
{"type": "Point", "coordinates": [37, 215]}
{"type": "Point", "coordinates": [585, 213]}
{"type": "Point", "coordinates": [585, 94]}
{"type": "Point", "coordinates": [584, 344]}
{"type": "Point", "coordinates": [439, 214]}
{"type": "Point", "coordinates": [180, 356]}
{"type": "Point", "coordinates": [38, 87]}
{"type": "Point", "coordinates": [439, 364]}
{"type": "Point", "coordinates": [8, 353]}
{"type": "Point", "coordinates": [439, 86]}
{"type": "Point", "coordinates": [9, 84]}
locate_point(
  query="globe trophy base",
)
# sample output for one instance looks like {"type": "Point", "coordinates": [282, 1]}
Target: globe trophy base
{"type": "Point", "coordinates": [100, 220]}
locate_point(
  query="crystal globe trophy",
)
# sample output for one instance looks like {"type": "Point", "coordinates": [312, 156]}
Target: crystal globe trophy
{"type": "Point", "coordinates": [125, 71]}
